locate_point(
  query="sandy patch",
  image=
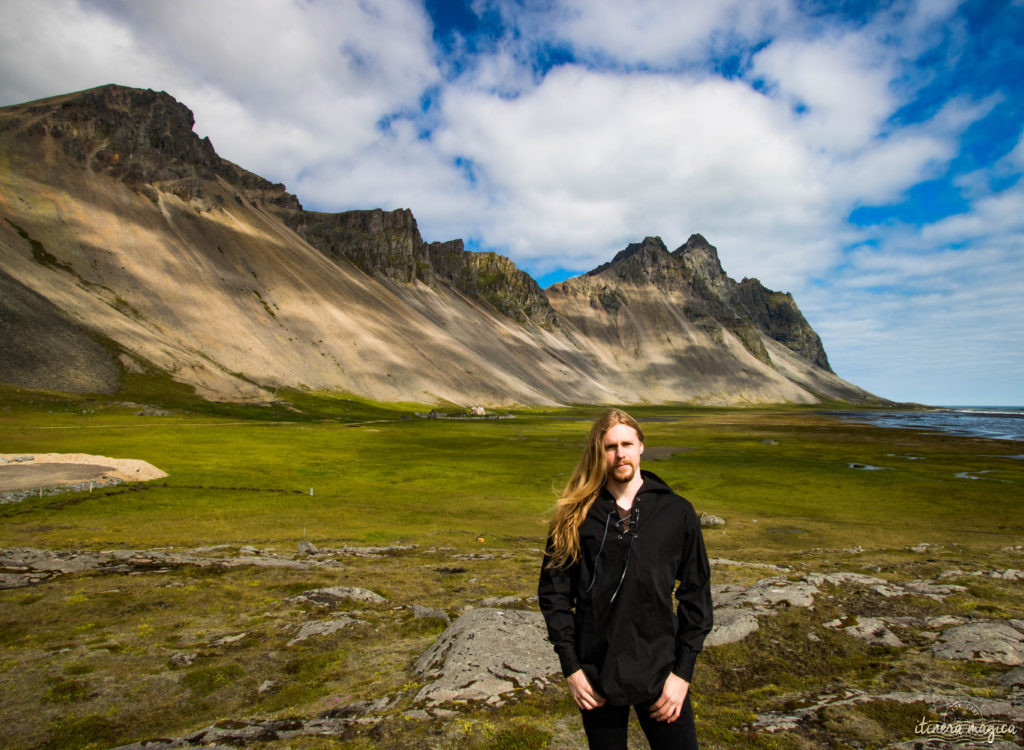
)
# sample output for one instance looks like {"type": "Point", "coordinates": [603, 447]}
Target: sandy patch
{"type": "Point", "coordinates": [56, 469]}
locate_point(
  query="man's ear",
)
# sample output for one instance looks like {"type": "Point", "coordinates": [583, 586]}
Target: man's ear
{"type": "Point", "coordinates": [641, 449]}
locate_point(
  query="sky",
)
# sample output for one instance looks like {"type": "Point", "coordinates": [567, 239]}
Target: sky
{"type": "Point", "coordinates": [865, 156]}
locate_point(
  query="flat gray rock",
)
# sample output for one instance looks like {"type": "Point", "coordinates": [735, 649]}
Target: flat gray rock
{"type": "Point", "coordinates": [321, 628]}
{"type": "Point", "coordinates": [487, 653]}
{"type": "Point", "coordinates": [334, 594]}
{"type": "Point", "coordinates": [998, 641]}
{"type": "Point", "coordinates": [731, 624]}
{"type": "Point", "coordinates": [870, 630]}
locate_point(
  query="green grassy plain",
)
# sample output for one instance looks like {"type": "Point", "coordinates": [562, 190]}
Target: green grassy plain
{"type": "Point", "coordinates": [86, 657]}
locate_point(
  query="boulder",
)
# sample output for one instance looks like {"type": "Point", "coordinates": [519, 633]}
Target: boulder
{"type": "Point", "coordinates": [487, 653]}
{"type": "Point", "coordinates": [1014, 677]}
{"type": "Point", "coordinates": [707, 519]}
{"type": "Point", "coordinates": [731, 624]}
{"type": "Point", "coordinates": [999, 641]}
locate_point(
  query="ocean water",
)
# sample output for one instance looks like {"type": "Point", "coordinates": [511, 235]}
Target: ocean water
{"type": "Point", "coordinates": [1001, 422]}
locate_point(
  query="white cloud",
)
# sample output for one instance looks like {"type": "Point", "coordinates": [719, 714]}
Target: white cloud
{"type": "Point", "coordinates": [55, 47]}
{"type": "Point", "coordinates": [654, 32]}
{"type": "Point", "coordinates": [996, 215]}
{"type": "Point", "coordinates": [276, 86]}
{"type": "Point", "coordinates": [841, 83]}
{"type": "Point", "coordinates": [589, 161]}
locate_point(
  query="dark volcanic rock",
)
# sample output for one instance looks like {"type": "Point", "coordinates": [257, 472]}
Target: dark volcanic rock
{"type": "Point", "coordinates": [751, 306]}
{"type": "Point", "coordinates": [647, 262]}
{"type": "Point", "coordinates": [139, 136]}
{"type": "Point", "coordinates": [494, 278]}
{"type": "Point", "coordinates": [386, 244]}
{"type": "Point", "coordinates": [776, 314]}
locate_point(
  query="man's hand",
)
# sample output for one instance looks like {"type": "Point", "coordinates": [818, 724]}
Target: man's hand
{"type": "Point", "coordinates": [582, 692]}
{"type": "Point", "coordinates": [668, 706]}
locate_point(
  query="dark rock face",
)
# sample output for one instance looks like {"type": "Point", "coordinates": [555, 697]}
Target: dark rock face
{"type": "Point", "coordinates": [385, 244]}
{"type": "Point", "coordinates": [388, 245]}
{"type": "Point", "coordinates": [495, 279]}
{"type": "Point", "coordinates": [140, 137]}
{"type": "Point", "coordinates": [715, 301]}
{"type": "Point", "coordinates": [776, 314]}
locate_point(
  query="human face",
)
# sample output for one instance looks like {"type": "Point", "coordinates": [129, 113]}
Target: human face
{"type": "Point", "coordinates": [622, 449]}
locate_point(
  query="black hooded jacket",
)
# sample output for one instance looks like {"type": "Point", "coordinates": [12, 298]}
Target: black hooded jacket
{"type": "Point", "coordinates": [627, 646]}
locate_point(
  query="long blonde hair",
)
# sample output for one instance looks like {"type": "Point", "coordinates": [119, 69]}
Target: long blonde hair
{"type": "Point", "coordinates": [586, 482]}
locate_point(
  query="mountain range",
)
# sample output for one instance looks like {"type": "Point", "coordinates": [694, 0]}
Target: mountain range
{"type": "Point", "coordinates": [128, 244]}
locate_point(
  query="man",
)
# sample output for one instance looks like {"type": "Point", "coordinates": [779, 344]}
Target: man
{"type": "Point", "coordinates": [617, 544]}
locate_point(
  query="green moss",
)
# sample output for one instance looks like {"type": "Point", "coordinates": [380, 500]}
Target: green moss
{"type": "Point", "coordinates": [204, 681]}
{"type": "Point", "coordinates": [66, 691]}
{"type": "Point", "coordinates": [518, 737]}
{"type": "Point", "coordinates": [73, 732]}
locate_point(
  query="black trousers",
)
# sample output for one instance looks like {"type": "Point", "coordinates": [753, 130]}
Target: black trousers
{"type": "Point", "coordinates": [606, 727]}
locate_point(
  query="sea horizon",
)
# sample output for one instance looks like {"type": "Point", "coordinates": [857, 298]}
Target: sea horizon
{"type": "Point", "coordinates": [995, 422]}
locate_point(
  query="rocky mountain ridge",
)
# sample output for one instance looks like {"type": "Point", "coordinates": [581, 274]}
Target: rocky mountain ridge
{"type": "Point", "coordinates": [123, 223]}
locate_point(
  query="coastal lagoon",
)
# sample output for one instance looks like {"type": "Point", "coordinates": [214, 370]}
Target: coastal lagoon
{"type": "Point", "coordinates": [997, 422]}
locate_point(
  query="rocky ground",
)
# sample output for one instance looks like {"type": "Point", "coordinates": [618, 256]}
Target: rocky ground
{"type": "Point", "coordinates": [492, 654]}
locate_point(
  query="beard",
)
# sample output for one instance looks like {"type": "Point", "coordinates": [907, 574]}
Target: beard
{"type": "Point", "coordinates": [623, 473]}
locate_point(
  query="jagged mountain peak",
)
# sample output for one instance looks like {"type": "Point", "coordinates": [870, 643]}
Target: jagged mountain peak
{"type": "Point", "coordinates": [700, 259]}
{"type": "Point", "coordinates": [139, 136]}
{"type": "Point", "coordinates": [646, 262]}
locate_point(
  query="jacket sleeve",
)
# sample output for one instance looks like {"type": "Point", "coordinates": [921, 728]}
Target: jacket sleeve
{"type": "Point", "coordinates": [556, 594]}
{"type": "Point", "coordinates": [695, 611]}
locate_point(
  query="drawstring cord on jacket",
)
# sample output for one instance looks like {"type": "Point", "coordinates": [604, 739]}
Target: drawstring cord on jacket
{"type": "Point", "coordinates": [597, 558]}
{"type": "Point", "coordinates": [634, 522]}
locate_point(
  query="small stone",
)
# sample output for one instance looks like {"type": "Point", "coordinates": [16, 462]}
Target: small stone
{"type": "Point", "coordinates": [268, 686]}
{"type": "Point", "coordinates": [707, 519]}
{"type": "Point", "coordinates": [183, 659]}
{"type": "Point", "coordinates": [731, 624]}
{"type": "Point", "coordinates": [420, 612]}
{"type": "Point", "coordinates": [873, 631]}
{"type": "Point", "coordinates": [229, 639]}
{"type": "Point", "coordinates": [307, 548]}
